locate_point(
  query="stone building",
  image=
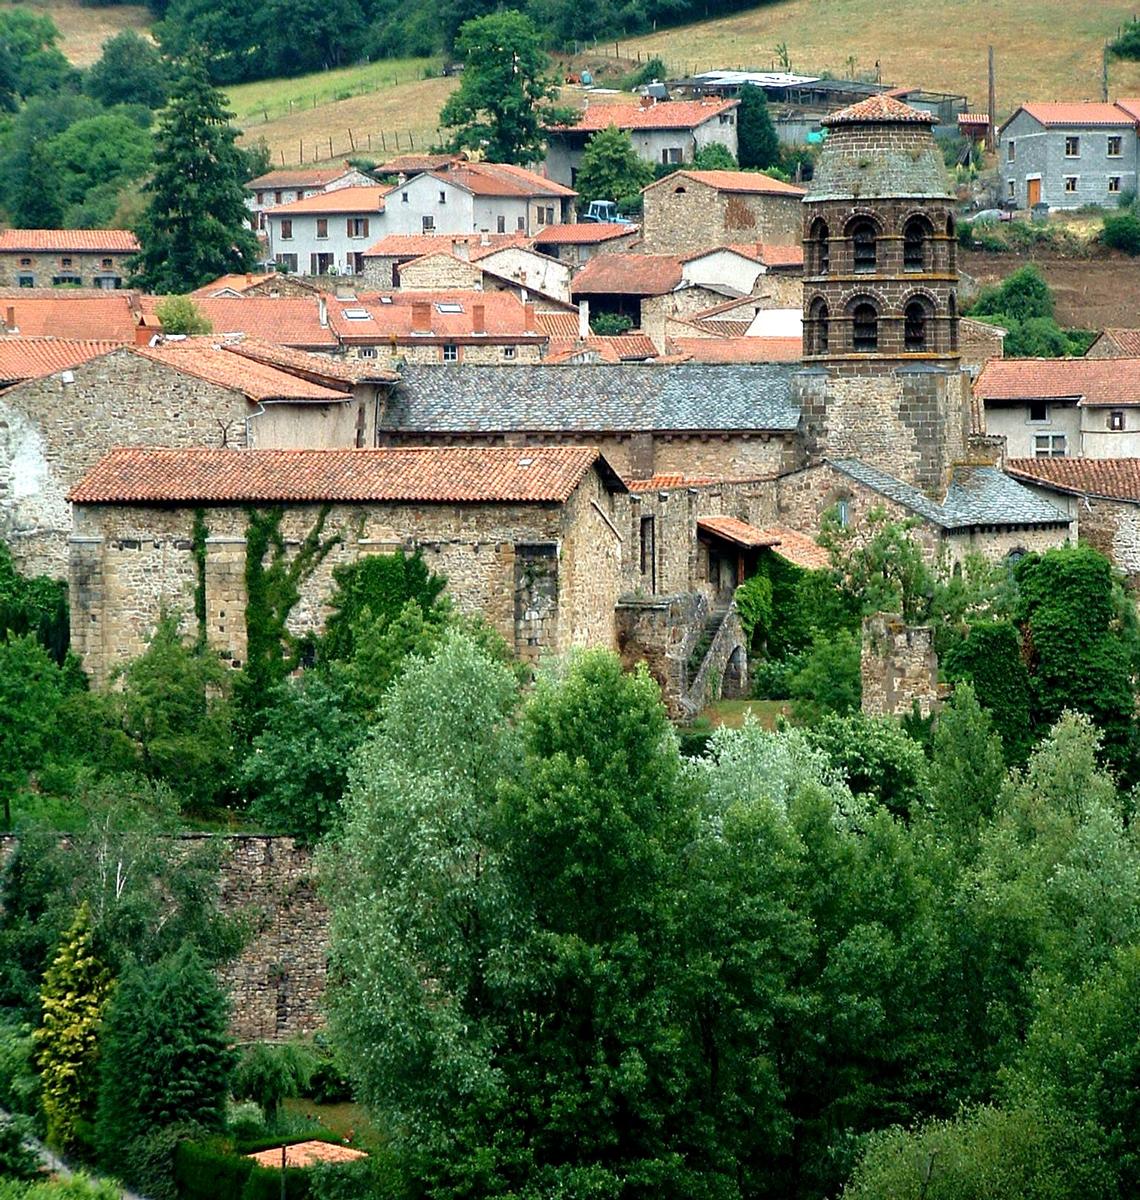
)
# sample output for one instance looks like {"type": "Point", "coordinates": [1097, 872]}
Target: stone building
{"type": "Point", "coordinates": [94, 258]}
{"type": "Point", "coordinates": [693, 210]}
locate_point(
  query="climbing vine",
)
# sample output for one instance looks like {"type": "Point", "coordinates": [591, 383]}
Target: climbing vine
{"type": "Point", "coordinates": [273, 580]}
{"type": "Point", "coordinates": [198, 538]}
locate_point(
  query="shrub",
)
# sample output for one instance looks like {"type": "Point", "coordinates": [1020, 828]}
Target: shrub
{"type": "Point", "coordinates": [1122, 233]}
{"type": "Point", "coordinates": [990, 659]}
{"type": "Point", "coordinates": [610, 324]}
{"type": "Point", "coordinates": [1127, 45]}
{"type": "Point", "coordinates": [830, 679]}
{"type": "Point", "coordinates": [179, 314]}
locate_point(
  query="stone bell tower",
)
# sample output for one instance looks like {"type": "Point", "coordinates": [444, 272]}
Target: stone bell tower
{"type": "Point", "coordinates": [882, 380]}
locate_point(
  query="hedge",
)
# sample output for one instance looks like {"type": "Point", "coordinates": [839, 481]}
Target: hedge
{"type": "Point", "coordinates": [211, 1173]}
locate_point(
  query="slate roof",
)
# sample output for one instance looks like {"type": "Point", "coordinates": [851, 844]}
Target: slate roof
{"type": "Point", "coordinates": [1112, 478]}
{"type": "Point", "coordinates": [91, 241]}
{"type": "Point", "coordinates": [33, 358]}
{"type": "Point", "coordinates": [976, 496]}
{"type": "Point", "coordinates": [1095, 382]}
{"type": "Point", "coordinates": [453, 474]}
{"type": "Point", "coordinates": [593, 399]}
{"type": "Point", "coordinates": [669, 114]}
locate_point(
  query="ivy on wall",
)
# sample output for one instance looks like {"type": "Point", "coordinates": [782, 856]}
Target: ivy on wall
{"type": "Point", "coordinates": [198, 538]}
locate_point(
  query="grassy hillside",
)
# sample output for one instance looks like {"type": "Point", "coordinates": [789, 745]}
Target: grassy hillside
{"type": "Point", "coordinates": [1044, 49]}
{"type": "Point", "coordinates": [84, 30]}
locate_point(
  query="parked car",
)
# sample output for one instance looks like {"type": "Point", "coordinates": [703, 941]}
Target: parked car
{"type": "Point", "coordinates": [988, 216]}
{"type": "Point", "coordinates": [603, 212]}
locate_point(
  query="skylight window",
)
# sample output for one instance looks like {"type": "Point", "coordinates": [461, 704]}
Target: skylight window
{"type": "Point", "coordinates": [385, 299]}
{"type": "Point", "coordinates": [526, 462]}
{"type": "Point", "coordinates": [449, 307]}
{"type": "Point", "coordinates": [357, 314]}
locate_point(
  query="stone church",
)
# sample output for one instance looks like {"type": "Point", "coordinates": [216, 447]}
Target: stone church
{"type": "Point", "coordinates": [694, 469]}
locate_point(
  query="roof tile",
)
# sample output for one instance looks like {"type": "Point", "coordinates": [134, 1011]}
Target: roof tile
{"type": "Point", "coordinates": [628, 275]}
{"type": "Point", "coordinates": [306, 1154]}
{"type": "Point", "coordinates": [72, 313]}
{"type": "Point", "coordinates": [341, 200]}
{"type": "Point", "coordinates": [750, 182]}
{"type": "Point", "coordinates": [1112, 478]}
{"type": "Point", "coordinates": [1079, 113]}
{"type": "Point", "coordinates": [669, 114]}
{"type": "Point", "coordinates": [1093, 381]}
{"type": "Point", "coordinates": [571, 233]}
{"type": "Point", "coordinates": [880, 108]}
{"type": "Point", "coordinates": [33, 358]}
{"type": "Point", "coordinates": [94, 241]}
{"type": "Point", "coordinates": [739, 349]}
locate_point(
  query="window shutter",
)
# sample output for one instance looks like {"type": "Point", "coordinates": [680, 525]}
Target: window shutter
{"type": "Point", "coordinates": [364, 233]}
{"type": "Point", "coordinates": [348, 227]}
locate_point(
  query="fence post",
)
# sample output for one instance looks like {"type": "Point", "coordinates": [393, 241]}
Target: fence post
{"type": "Point", "coordinates": [330, 148]}
{"type": "Point", "coordinates": [411, 140]}
{"type": "Point", "coordinates": [351, 141]}
{"type": "Point", "coordinates": [301, 151]}
{"type": "Point", "coordinates": [397, 139]}
{"type": "Point", "coordinates": [383, 143]}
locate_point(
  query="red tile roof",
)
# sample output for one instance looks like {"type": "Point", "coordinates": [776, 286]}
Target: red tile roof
{"type": "Point", "coordinates": [205, 358]}
{"type": "Point", "coordinates": [879, 109]}
{"type": "Point", "coordinates": [628, 274]}
{"type": "Point", "coordinates": [663, 482]}
{"type": "Point", "coordinates": [747, 182]}
{"type": "Point", "coordinates": [1118, 343]}
{"type": "Point", "coordinates": [306, 1154]}
{"type": "Point", "coordinates": [283, 320]}
{"type": "Point", "coordinates": [1113, 478]}
{"type": "Point", "coordinates": [94, 241]}
{"type": "Point", "coordinates": [1131, 105]}
{"type": "Point", "coordinates": [319, 367]}
{"type": "Point", "coordinates": [798, 548]}
{"type": "Point", "coordinates": [239, 283]}
{"type": "Point", "coordinates": [1079, 113]}
{"type": "Point", "coordinates": [453, 474]}
{"type": "Point", "coordinates": [738, 532]}
{"type": "Point", "coordinates": [298, 177]}
{"type": "Point", "coordinates": [716, 327]}
{"type": "Point", "coordinates": [1093, 381]}
{"type": "Point", "coordinates": [32, 358]}
{"type": "Point", "coordinates": [71, 313]}
{"type": "Point", "coordinates": [501, 179]}
{"type": "Point", "coordinates": [504, 317]}
{"type": "Point", "coordinates": [416, 245]}
{"type": "Point", "coordinates": [582, 233]}
{"type": "Point", "coordinates": [739, 349]}
{"type": "Point", "coordinates": [669, 114]}
{"type": "Point", "coordinates": [633, 347]}
{"type": "Point", "coordinates": [342, 200]}
{"type": "Point", "coordinates": [416, 164]}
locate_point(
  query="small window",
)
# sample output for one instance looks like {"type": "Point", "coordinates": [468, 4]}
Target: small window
{"type": "Point", "coordinates": [286, 231]}
{"type": "Point", "coordinates": [404, 198]}
{"type": "Point", "coordinates": [541, 213]}
{"type": "Point", "coordinates": [1070, 183]}
{"type": "Point", "coordinates": [449, 306]}
{"type": "Point", "coordinates": [442, 197]}
{"type": "Point", "coordinates": [322, 227]}
{"type": "Point", "coordinates": [1116, 420]}
{"type": "Point", "coordinates": [25, 281]}
{"type": "Point", "coordinates": [509, 352]}
{"type": "Point", "coordinates": [550, 214]}
{"type": "Point", "coordinates": [25, 262]}
{"type": "Point", "coordinates": [65, 262]}
{"type": "Point", "coordinates": [1011, 151]}
{"type": "Point", "coordinates": [450, 353]}
{"type": "Point", "coordinates": [820, 247]}
{"type": "Point", "coordinates": [260, 197]}
{"type": "Point", "coordinates": [1072, 147]}
{"type": "Point", "coordinates": [648, 555]}
{"type": "Point", "coordinates": [672, 155]}
{"type": "Point", "coordinates": [276, 197]}
{"type": "Point", "coordinates": [367, 351]}
{"type": "Point", "coordinates": [1115, 146]}
{"type": "Point", "coordinates": [1011, 189]}
{"type": "Point", "coordinates": [865, 329]}
{"type": "Point", "coordinates": [1049, 445]}
{"type": "Point", "coordinates": [679, 191]}
{"type": "Point", "coordinates": [288, 261]}
{"type": "Point", "coordinates": [501, 224]}
{"type": "Point", "coordinates": [521, 225]}
{"type": "Point", "coordinates": [843, 512]}
{"type": "Point", "coordinates": [1114, 185]}
{"type": "Point", "coordinates": [428, 224]}
{"type": "Point", "coordinates": [1038, 412]}
{"type": "Point", "coordinates": [356, 314]}
{"type": "Point", "coordinates": [108, 263]}
{"type": "Point", "coordinates": [357, 227]}
{"type": "Point", "coordinates": [816, 331]}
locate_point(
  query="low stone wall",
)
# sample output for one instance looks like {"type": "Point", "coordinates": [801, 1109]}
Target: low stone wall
{"type": "Point", "coordinates": [898, 666]}
{"type": "Point", "coordinates": [724, 671]}
{"type": "Point", "coordinates": [661, 632]}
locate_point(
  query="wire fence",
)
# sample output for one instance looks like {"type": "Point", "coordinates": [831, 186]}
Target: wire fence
{"type": "Point", "coordinates": [362, 143]}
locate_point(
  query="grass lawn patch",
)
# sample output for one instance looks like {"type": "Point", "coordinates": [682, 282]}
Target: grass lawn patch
{"type": "Point", "coordinates": [346, 1119]}
{"type": "Point", "coordinates": [732, 712]}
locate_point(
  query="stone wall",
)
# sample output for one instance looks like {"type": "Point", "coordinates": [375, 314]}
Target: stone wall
{"type": "Point", "coordinates": [996, 544]}
{"type": "Point", "coordinates": [978, 343]}
{"type": "Point", "coordinates": [85, 270]}
{"type": "Point", "coordinates": [429, 351]}
{"type": "Point", "coordinates": [661, 632]}
{"type": "Point", "coordinates": [1110, 526]}
{"type": "Point", "coordinates": [438, 272]}
{"type": "Point", "coordinates": [683, 215]}
{"type": "Point", "coordinates": [898, 666]}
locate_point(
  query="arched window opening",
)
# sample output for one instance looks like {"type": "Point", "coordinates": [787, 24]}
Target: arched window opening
{"type": "Point", "coordinates": [864, 249]}
{"type": "Point", "coordinates": [817, 326]}
{"type": "Point", "coordinates": [952, 312]}
{"type": "Point", "coordinates": [915, 329]}
{"type": "Point", "coordinates": [916, 241]}
{"type": "Point", "coordinates": [865, 328]}
{"type": "Point", "coordinates": [821, 246]}
{"type": "Point", "coordinates": [678, 191]}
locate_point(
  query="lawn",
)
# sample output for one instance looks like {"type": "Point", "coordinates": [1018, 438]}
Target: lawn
{"type": "Point", "coordinates": [346, 1120]}
{"type": "Point", "coordinates": [733, 712]}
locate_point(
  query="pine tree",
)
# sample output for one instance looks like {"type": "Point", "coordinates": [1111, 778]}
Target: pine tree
{"type": "Point", "coordinates": [196, 224]}
{"type": "Point", "coordinates": [75, 990]}
{"type": "Point", "coordinates": [757, 143]}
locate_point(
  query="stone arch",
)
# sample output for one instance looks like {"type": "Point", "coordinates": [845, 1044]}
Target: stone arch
{"type": "Point", "coordinates": [919, 309]}
{"type": "Point", "coordinates": [819, 247]}
{"type": "Point", "coordinates": [734, 683]}
{"type": "Point", "coordinates": [863, 231]}
{"type": "Point", "coordinates": [918, 243]}
{"type": "Point", "coordinates": [864, 312]}
{"type": "Point", "coordinates": [952, 315]}
{"type": "Point", "coordinates": [816, 329]}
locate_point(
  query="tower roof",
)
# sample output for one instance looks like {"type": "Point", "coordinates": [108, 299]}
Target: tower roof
{"type": "Point", "coordinates": [878, 110]}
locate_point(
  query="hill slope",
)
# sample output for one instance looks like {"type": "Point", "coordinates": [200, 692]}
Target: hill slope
{"type": "Point", "coordinates": [83, 30]}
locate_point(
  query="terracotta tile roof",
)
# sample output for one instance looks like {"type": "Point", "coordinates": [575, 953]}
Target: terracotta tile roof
{"type": "Point", "coordinates": [295, 177]}
{"type": "Point", "coordinates": [740, 533]}
{"type": "Point", "coordinates": [416, 164]}
{"type": "Point", "coordinates": [205, 358]}
{"type": "Point", "coordinates": [319, 367]}
{"type": "Point", "coordinates": [738, 349]}
{"type": "Point", "coordinates": [239, 283]}
{"type": "Point", "coordinates": [717, 310]}
{"type": "Point", "coordinates": [501, 179]}
{"type": "Point", "coordinates": [628, 275]}
{"type": "Point", "coordinates": [749, 182]}
{"type": "Point", "coordinates": [669, 114]}
{"type": "Point", "coordinates": [394, 313]}
{"type": "Point", "coordinates": [1079, 113]}
{"type": "Point", "coordinates": [1112, 478]}
{"type": "Point", "coordinates": [1092, 381]}
{"type": "Point", "coordinates": [634, 347]}
{"type": "Point", "coordinates": [71, 313]}
{"type": "Point", "coordinates": [582, 233]}
{"type": "Point", "coordinates": [797, 548]}
{"type": "Point", "coordinates": [658, 483]}
{"type": "Point", "coordinates": [716, 327]}
{"type": "Point", "coordinates": [1131, 105]}
{"type": "Point", "coordinates": [974, 118]}
{"type": "Point", "coordinates": [879, 108]}
{"type": "Point", "coordinates": [519, 240]}
{"type": "Point", "coordinates": [32, 358]}
{"type": "Point", "coordinates": [1118, 343]}
{"type": "Point", "coordinates": [283, 320]}
{"type": "Point", "coordinates": [94, 241]}
{"type": "Point", "coordinates": [342, 200]}
{"type": "Point", "coordinates": [453, 474]}
{"type": "Point", "coordinates": [306, 1154]}
{"type": "Point", "coordinates": [560, 325]}
{"type": "Point", "coordinates": [416, 245]}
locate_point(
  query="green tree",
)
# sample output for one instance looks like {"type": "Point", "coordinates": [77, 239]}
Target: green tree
{"type": "Point", "coordinates": [75, 990]}
{"type": "Point", "coordinates": [1122, 232]}
{"type": "Point", "coordinates": [610, 168]}
{"type": "Point", "coordinates": [1022, 296]}
{"type": "Point", "coordinates": [989, 658]}
{"type": "Point", "coordinates": [28, 40]}
{"type": "Point", "coordinates": [196, 225]}
{"type": "Point", "coordinates": [179, 314]}
{"type": "Point", "coordinates": [166, 1059]}
{"type": "Point", "coordinates": [499, 106]}
{"type": "Point", "coordinates": [36, 605]}
{"type": "Point", "coordinates": [109, 151]}
{"type": "Point", "coordinates": [269, 1074]}
{"type": "Point", "coordinates": [829, 679]}
{"type": "Point", "coordinates": [716, 156]}
{"type": "Point", "coordinates": [31, 689]}
{"type": "Point", "coordinates": [129, 71]}
{"type": "Point", "coordinates": [757, 143]}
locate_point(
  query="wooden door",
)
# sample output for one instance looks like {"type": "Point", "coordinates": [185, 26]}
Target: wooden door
{"type": "Point", "coordinates": [1033, 189]}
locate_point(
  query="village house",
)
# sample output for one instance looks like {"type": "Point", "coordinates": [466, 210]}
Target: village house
{"type": "Point", "coordinates": [383, 259]}
{"type": "Point", "coordinates": [579, 241]}
{"type": "Point", "coordinates": [297, 183]}
{"type": "Point", "coordinates": [1070, 155]}
{"type": "Point", "coordinates": [403, 167]}
{"type": "Point", "coordinates": [478, 197]}
{"type": "Point", "coordinates": [1060, 407]}
{"type": "Point", "coordinates": [1115, 343]}
{"type": "Point", "coordinates": [83, 313]}
{"type": "Point", "coordinates": [197, 391]}
{"type": "Point", "coordinates": [692, 210]}
{"type": "Point", "coordinates": [270, 284]}
{"type": "Point", "coordinates": [91, 258]}
{"type": "Point", "coordinates": [668, 133]}
{"type": "Point", "coordinates": [326, 233]}
{"type": "Point", "coordinates": [513, 268]}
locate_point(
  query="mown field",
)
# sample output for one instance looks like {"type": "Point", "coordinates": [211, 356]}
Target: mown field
{"type": "Point", "coordinates": [84, 30]}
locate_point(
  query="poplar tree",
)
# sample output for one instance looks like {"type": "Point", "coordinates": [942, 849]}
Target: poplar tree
{"type": "Point", "coordinates": [757, 143]}
{"type": "Point", "coordinates": [196, 225]}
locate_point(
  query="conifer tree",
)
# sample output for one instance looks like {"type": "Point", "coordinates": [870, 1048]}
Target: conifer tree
{"type": "Point", "coordinates": [195, 226]}
{"type": "Point", "coordinates": [757, 143]}
{"type": "Point", "coordinates": [75, 990]}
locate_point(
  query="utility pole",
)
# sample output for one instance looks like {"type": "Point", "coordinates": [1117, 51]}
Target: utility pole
{"type": "Point", "coordinates": [993, 104]}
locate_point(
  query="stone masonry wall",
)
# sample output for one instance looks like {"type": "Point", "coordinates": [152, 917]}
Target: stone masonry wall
{"type": "Point", "coordinates": [898, 666]}
{"type": "Point", "coordinates": [439, 272]}
{"type": "Point", "coordinates": [680, 221]}
{"type": "Point", "coordinates": [430, 352]}
{"type": "Point", "coordinates": [44, 267]}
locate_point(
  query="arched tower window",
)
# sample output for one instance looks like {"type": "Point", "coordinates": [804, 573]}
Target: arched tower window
{"type": "Point", "coordinates": [951, 243]}
{"type": "Point", "coordinates": [952, 313]}
{"type": "Point", "coordinates": [864, 238]}
{"type": "Point", "coordinates": [916, 325]}
{"type": "Point", "coordinates": [864, 327]}
{"type": "Point", "coordinates": [817, 326]}
{"type": "Point", "coordinates": [917, 241]}
{"type": "Point", "coordinates": [820, 247]}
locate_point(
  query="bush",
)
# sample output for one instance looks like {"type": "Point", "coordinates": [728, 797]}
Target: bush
{"type": "Point", "coordinates": [654, 69]}
{"type": "Point", "coordinates": [1122, 233]}
{"type": "Point", "coordinates": [830, 679]}
{"type": "Point", "coordinates": [17, 1159]}
{"type": "Point", "coordinates": [610, 324]}
{"type": "Point", "coordinates": [1127, 45]}
{"type": "Point", "coordinates": [771, 677]}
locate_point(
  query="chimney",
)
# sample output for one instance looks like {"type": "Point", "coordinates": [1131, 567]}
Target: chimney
{"type": "Point", "coordinates": [421, 317]}
{"type": "Point", "coordinates": [248, 277]}
{"type": "Point", "coordinates": [478, 318]}
{"type": "Point", "coordinates": [322, 312]}
{"type": "Point", "coordinates": [583, 319]}
{"type": "Point", "coordinates": [142, 335]}
{"type": "Point", "coordinates": [10, 318]}
{"type": "Point", "coordinates": [528, 318]}
{"type": "Point", "coordinates": [461, 249]}
{"type": "Point", "coordinates": [484, 238]}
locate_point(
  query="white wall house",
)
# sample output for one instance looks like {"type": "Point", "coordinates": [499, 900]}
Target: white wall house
{"type": "Point", "coordinates": [296, 183]}
{"type": "Point", "coordinates": [327, 233]}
